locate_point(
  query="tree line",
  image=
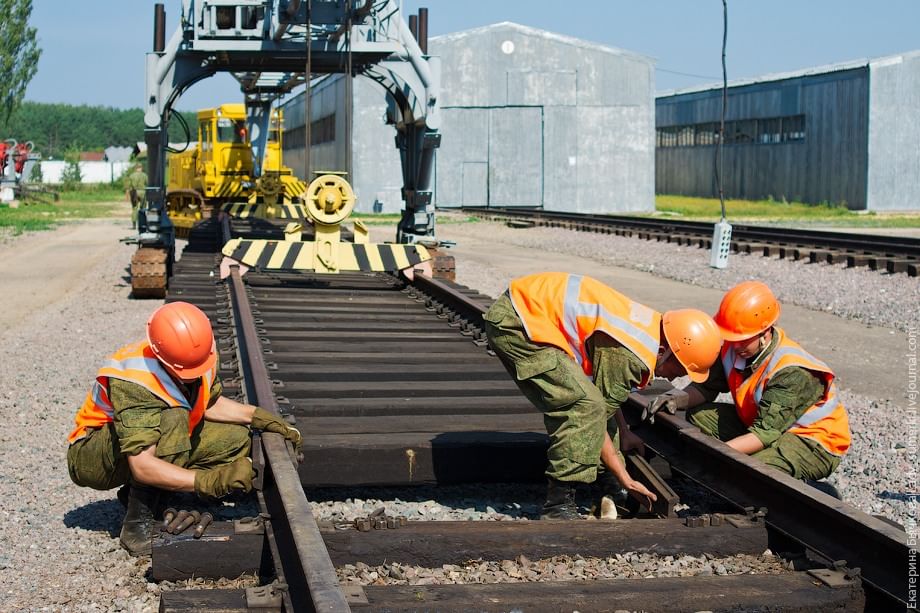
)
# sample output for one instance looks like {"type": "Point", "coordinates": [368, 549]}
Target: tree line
{"type": "Point", "coordinates": [56, 129]}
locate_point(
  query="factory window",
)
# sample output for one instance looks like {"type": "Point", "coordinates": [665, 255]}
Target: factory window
{"type": "Point", "coordinates": [794, 128]}
{"type": "Point", "coordinates": [667, 137]}
{"type": "Point", "coordinates": [323, 130]}
{"type": "Point", "coordinates": [767, 131]}
{"type": "Point", "coordinates": [707, 134]}
{"type": "Point", "coordinates": [293, 139]}
{"type": "Point", "coordinates": [741, 132]}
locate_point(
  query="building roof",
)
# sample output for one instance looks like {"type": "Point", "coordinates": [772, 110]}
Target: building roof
{"type": "Point", "coordinates": [91, 156]}
{"type": "Point", "coordinates": [794, 74]}
{"type": "Point", "coordinates": [549, 36]}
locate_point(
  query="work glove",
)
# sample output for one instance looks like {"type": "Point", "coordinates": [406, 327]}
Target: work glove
{"type": "Point", "coordinates": [177, 521]}
{"type": "Point", "coordinates": [269, 422]}
{"type": "Point", "coordinates": [670, 401]}
{"type": "Point", "coordinates": [217, 482]}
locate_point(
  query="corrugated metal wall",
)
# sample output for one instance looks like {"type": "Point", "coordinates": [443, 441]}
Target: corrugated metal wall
{"type": "Point", "coordinates": [328, 100]}
{"type": "Point", "coordinates": [535, 119]}
{"type": "Point", "coordinates": [830, 165]}
{"type": "Point", "coordinates": [894, 134]}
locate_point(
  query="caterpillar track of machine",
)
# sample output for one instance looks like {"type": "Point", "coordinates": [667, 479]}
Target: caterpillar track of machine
{"type": "Point", "coordinates": [270, 47]}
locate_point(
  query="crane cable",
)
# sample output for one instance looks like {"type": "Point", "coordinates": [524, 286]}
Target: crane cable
{"type": "Point", "coordinates": [308, 95]}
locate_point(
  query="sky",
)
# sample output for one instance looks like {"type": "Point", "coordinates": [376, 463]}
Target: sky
{"type": "Point", "coordinates": [93, 50]}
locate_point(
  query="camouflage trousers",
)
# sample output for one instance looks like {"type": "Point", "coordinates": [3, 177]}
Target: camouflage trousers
{"type": "Point", "coordinates": [792, 454]}
{"type": "Point", "coordinates": [574, 411]}
{"type": "Point", "coordinates": [97, 462]}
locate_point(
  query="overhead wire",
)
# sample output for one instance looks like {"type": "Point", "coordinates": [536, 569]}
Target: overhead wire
{"type": "Point", "coordinates": [720, 152]}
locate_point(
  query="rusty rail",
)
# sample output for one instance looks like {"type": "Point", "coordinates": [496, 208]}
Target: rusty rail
{"type": "Point", "coordinates": [304, 565]}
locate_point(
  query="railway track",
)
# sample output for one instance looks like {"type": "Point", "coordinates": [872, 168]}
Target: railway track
{"type": "Point", "coordinates": [391, 383]}
{"type": "Point", "coordinates": [887, 254]}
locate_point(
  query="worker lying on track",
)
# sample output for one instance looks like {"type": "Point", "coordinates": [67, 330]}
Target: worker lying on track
{"type": "Point", "coordinates": [786, 410]}
{"type": "Point", "coordinates": [155, 422]}
{"type": "Point", "coordinates": [555, 332]}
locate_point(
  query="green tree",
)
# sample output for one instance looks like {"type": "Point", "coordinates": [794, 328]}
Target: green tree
{"type": "Point", "coordinates": [19, 54]}
{"type": "Point", "coordinates": [72, 178]}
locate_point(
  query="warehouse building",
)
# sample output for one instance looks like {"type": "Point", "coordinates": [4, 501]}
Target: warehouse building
{"type": "Point", "coordinates": [529, 118]}
{"type": "Point", "coordinates": [843, 134]}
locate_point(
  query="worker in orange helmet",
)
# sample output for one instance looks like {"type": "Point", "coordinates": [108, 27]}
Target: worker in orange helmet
{"type": "Point", "coordinates": [786, 410]}
{"type": "Point", "coordinates": [576, 348]}
{"type": "Point", "coordinates": [155, 421]}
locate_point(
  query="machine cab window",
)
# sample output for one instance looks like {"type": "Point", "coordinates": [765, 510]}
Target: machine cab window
{"type": "Point", "coordinates": [231, 131]}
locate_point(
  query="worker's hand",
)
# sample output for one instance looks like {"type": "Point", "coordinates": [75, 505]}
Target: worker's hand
{"type": "Point", "coordinates": [630, 440]}
{"type": "Point", "coordinates": [217, 482]}
{"type": "Point", "coordinates": [670, 401]}
{"type": "Point", "coordinates": [269, 422]}
{"type": "Point", "coordinates": [640, 493]}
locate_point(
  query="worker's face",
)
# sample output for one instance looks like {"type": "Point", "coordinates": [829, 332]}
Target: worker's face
{"type": "Point", "coordinates": [748, 348]}
{"type": "Point", "coordinates": [667, 366]}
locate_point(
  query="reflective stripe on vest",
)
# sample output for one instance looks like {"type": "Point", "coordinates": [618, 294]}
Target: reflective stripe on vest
{"type": "Point", "coordinates": [137, 364]}
{"type": "Point", "coordinates": [564, 310]}
{"type": "Point", "coordinates": [825, 422]}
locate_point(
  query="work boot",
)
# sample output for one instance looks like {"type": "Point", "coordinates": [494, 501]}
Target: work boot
{"type": "Point", "coordinates": [123, 493]}
{"type": "Point", "coordinates": [140, 514]}
{"type": "Point", "coordinates": [560, 501]}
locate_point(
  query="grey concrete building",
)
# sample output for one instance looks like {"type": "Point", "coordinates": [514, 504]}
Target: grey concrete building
{"type": "Point", "coordinates": [529, 118]}
{"type": "Point", "coordinates": [846, 134]}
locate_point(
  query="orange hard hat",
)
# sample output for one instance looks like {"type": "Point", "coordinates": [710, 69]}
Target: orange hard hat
{"type": "Point", "coordinates": [694, 340]}
{"type": "Point", "coordinates": [746, 310]}
{"type": "Point", "coordinates": [180, 335]}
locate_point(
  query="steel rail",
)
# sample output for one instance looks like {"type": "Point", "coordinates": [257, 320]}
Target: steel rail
{"type": "Point", "coordinates": [881, 244]}
{"type": "Point", "coordinates": [446, 293]}
{"type": "Point", "coordinates": [823, 524]}
{"type": "Point", "coordinates": [307, 569]}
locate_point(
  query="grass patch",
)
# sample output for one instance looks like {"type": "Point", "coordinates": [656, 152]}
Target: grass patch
{"type": "Point", "coordinates": [382, 219]}
{"type": "Point", "coordinates": [708, 209]}
{"type": "Point", "coordinates": [33, 215]}
{"type": "Point", "coordinates": [376, 219]}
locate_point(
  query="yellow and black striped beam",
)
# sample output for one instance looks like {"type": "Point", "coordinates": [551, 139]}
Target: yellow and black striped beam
{"type": "Point", "coordinates": [243, 210]}
{"type": "Point", "coordinates": [302, 255]}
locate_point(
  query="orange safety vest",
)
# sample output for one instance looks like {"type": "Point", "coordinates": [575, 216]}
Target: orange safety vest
{"type": "Point", "coordinates": [136, 363]}
{"type": "Point", "coordinates": [825, 421]}
{"type": "Point", "coordinates": [564, 310]}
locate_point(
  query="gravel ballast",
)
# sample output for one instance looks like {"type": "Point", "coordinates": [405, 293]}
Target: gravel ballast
{"type": "Point", "coordinates": [627, 565]}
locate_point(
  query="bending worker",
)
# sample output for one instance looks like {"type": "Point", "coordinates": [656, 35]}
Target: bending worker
{"type": "Point", "coordinates": [155, 422]}
{"type": "Point", "coordinates": [555, 332]}
{"type": "Point", "coordinates": [786, 411]}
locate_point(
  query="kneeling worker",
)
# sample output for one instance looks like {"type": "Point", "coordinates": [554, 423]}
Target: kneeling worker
{"type": "Point", "coordinates": [786, 410]}
{"type": "Point", "coordinates": [555, 333]}
{"type": "Point", "coordinates": [156, 421]}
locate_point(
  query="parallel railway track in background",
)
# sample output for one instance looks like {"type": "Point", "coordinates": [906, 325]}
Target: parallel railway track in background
{"type": "Point", "coordinates": [391, 383]}
{"type": "Point", "coordinates": [888, 254]}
